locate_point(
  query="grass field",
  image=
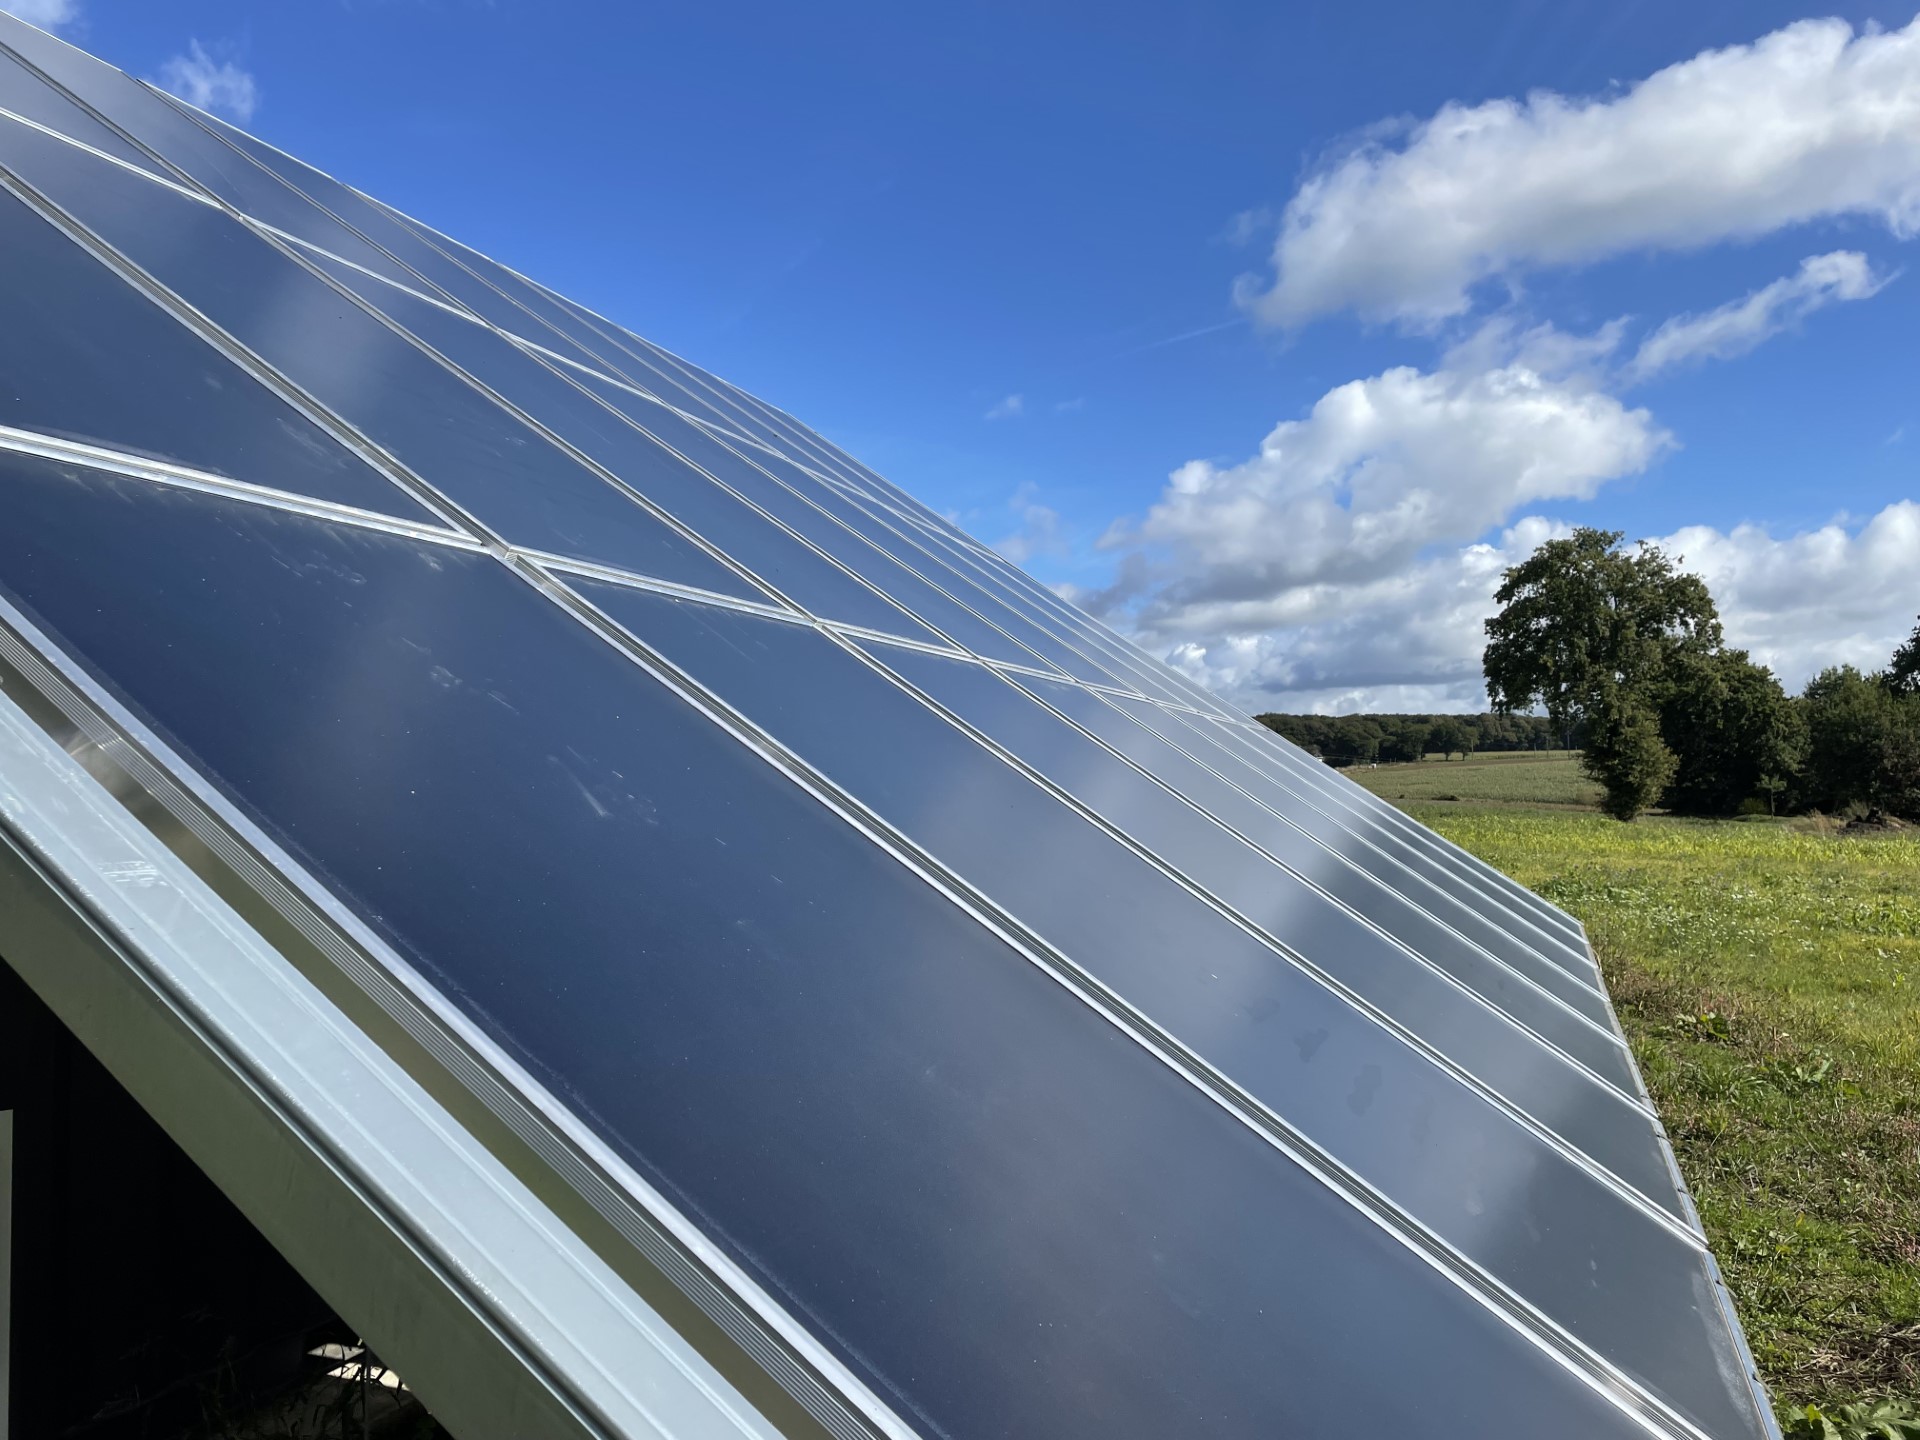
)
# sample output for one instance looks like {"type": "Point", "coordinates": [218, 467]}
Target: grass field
{"type": "Point", "coordinates": [1522, 777]}
{"type": "Point", "coordinates": [1767, 976]}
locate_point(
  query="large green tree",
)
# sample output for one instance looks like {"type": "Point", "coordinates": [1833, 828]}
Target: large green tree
{"type": "Point", "coordinates": [1847, 717]}
{"type": "Point", "coordinates": [1863, 744]}
{"type": "Point", "coordinates": [1625, 753]}
{"type": "Point", "coordinates": [1733, 731]}
{"type": "Point", "coordinates": [1587, 620]}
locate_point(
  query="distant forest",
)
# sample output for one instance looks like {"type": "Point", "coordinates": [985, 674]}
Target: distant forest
{"type": "Point", "coordinates": [1366, 739]}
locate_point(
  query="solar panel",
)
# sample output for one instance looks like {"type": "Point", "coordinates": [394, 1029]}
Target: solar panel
{"type": "Point", "coordinates": [839, 987]}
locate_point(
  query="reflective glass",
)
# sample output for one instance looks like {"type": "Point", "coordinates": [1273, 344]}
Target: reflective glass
{"type": "Point", "coordinates": [643, 365]}
{"type": "Point", "coordinates": [1136, 670]}
{"type": "Point", "coordinates": [27, 94]}
{"type": "Point", "coordinates": [1285, 790]}
{"type": "Point", "coordinates": [1152, 741]}
{"type": "Point", "coordinates": [83, 356]}
{"type": "Point", "coordinates": [1123, 668]}
{"type": "Point", "coordinates": [745, 478]}
{"type": "Point", "coordinates": [1345, 923]}
{"type": "Point", "coordinates": [992, 1205]}
{"type": "Point", "coordinates": [1273, 754]}
{"type": "Point", "coordinates": [795, 440]}
{"type": "Point", "coordinates": [469, 449]}
{"type": "Point", "coordinates": [1365, 801]}
{"type": "Point", "coordinates": [1094, 657]}
{"type": "Point", "coordinates": [402, 242]}
{"type": "Point", "coordinates": [1604, 1268]}
{"type": "Point", "coordinates": [1271, 757]}
{"type": "Point", "coordinates": [1100, 904]}
{"type": "Point", "coordinates": [695, 381]}
{"type": "Point", "coordinates": [709, 399]}
{"type": "Point", "coordinates": [581, 339]}
{"type": "Point", "coordinates": [1520, 982]}
{"type": "Point", "coordinates": [167, 131]}
{"type": "Point", "coordinates": [1031, 640]}
{"type": "Point", "coordinates": [639, 461]}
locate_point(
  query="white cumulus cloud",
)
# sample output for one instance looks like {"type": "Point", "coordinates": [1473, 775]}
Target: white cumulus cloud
{"type": "Point", "coordinates": [1408, 640]}
{"type": "Point", "coordinates": [1010, 408]}
{"type": "Point", "coordinates": [1378, 472]}
{"type": "Point", "coordinates": [1810, 122]}
{"type": "Point", "coordinates": [1351, 563]}
{"type": "Point", "coordinates": [1843, 593]}
{"type": "Point", "coordinates": [1742, 325]}
{"type": "Point", "coordinates": [217, 86]}
{"type": "Point", "coordinates": [47, 14]}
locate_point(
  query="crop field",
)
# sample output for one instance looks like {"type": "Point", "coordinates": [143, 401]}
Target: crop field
{"type": "Point", "coordinates": [1767, 974]}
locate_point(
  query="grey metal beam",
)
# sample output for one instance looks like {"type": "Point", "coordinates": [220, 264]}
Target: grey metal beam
{"type": "Point", "coordinates": [504, 1322]}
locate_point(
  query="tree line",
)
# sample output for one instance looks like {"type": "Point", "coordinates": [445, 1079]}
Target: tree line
{"type": "Point", "coordinates": [1623, 653]}
{"type": "Point", "coordinates": [1367, 739]}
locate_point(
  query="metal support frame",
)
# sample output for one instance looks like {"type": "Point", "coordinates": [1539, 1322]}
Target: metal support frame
{"type": "Point", "coordinates": [377, 1194]}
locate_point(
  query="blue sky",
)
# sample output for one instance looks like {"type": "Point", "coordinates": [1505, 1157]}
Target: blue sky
{"type": "Point", "coordinates": [1386, 317]}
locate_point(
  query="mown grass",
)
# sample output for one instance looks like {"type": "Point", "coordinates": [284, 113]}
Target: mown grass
{"type": "Point", "coordinates": [1522, 777]}
{"type": "Point", "coordinates": [1767, 978]}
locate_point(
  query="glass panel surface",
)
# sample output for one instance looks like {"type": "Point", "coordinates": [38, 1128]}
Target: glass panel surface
{"type": "Point", "coordinates": [796, 442]}
{"type": "Point", "coordinates": [937, 572]}
{"type": "Point", "coordinates": [553, 317]}
{"type": "Point", "coordinates": [632, 358]}
{"type": "Point", "coordinates": [168, 132]}
{"type": "Point", "coordinates": [1043, 620]}
{"type": "Point", "coordinates": [1137, 670]}
{"type": "Point", "coordinates": [1356, 836]}
{"type": "Point", "coordinates": [1342, 941]}
{"type": "Point", "coordinates": [1093, 899]}
{"type": "Point", "coordinates": [1550, 1229]}
{"type": "Point", "coordinates": [1118, 666]}
{"type": "Point", "coordinates": [802, 573]}
{"type": "Point", "coordinates": [1275, 754]}
{"type": "Point", "coordinates": [990, 1203]}
{"type": "Point", "coordinates": [1151, 743]}
{"type": "Point", "coordinates": [27, 94]}
{"type": "Point", "coordinates": [1463, 948]}
{"type": "Point", "coordinates": [709, 399]}
{"type": "Point", "coordinates": [637, 459]}
{"type": "Point", "coordinates": [461, 443]}
{"type": "Point", "coordinates": [402, 242]}
{"type": "Point", "coordinates": [695, 381]}
{"type": "Point", "coordinates": [85, 357]}
{"type": "Point", "coordinates": [905, 588]}
{"type": "Point", "coordinates": [1272, 758]}
{"type": "Point", "coordinates": [1271, 744]}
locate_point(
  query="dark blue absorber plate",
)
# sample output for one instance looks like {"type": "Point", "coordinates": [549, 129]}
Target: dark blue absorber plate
{"type": "Point", "coordinates": [24, 93]}
{"type": "Point", "coordinates": [83, 356]}
{"type": "Point", "coordinates": [991, 1202]}
{"type": "Point", "coordinates": [1602, 1266]}
{"type": "Point", "coordinates": [1236, 872]}
{"type": "Point", "coordinates": [401, 398]}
